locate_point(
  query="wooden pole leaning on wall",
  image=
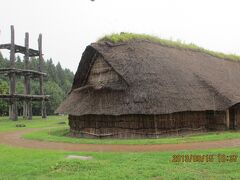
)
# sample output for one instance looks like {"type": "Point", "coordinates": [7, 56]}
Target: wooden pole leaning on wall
{"type": "Point", "coordinates": [40, 67]}
{"type": "Point", "coordinates": [13, 112]}
{"type": "Point", "coordinates": [227, 119]}
{"type": "Point", "coordinates": [27, 106]}
{"type": "Point", "coordinates": [235, 117]}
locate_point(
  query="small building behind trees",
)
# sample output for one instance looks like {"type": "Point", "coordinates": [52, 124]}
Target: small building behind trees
{"type": "Point", "coordinates": [144, 88]}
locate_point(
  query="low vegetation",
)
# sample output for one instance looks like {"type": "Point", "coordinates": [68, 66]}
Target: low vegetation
{"type": "Point", "coordinates": [62, 135]}
{"type": "Point", "coordinates": [22, 163]}
{"type": "Point", "coordinates": [56, 129]}
{"type": "Point", "coordinates": [123, 37]}
{"type": "Point", "coordinates": [37, 122]}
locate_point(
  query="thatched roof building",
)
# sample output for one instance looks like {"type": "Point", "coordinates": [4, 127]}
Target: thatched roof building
{"type": "Point", "coordinates": [144, 88]}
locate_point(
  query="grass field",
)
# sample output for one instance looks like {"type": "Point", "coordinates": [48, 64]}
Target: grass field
{"type": "Point", "coordinates": [37, 122]}
{"type": "Point", "coordinates": [60, 134]}
{"type": "Point", "coordinates": [22, 163]}
{"type": "Point", "coordinates": [18, 163]}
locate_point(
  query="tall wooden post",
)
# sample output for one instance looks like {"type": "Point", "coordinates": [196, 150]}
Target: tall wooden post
{"type": "Point", "coordinates": [12, 79]}
{"type": "Point", "coordinates": [44, 114]}
{"type": "Point", "coordinates": [227, 119]}
{"type": "Point", "coordinates": [235, 118]}
{"type": "Point", "coordinates": [27, 107]}
{"type": "Point", "coordinates": [25, 103]}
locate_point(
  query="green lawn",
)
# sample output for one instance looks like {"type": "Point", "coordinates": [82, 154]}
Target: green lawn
{"type": "Point", "coordinates": [21, 163]}
{"type": "Point", "coordinates": [58, 132]}
{"type": "Point", "coordinates": [37, 122]}
{"type": "Point", "coordinates": [61, 135]}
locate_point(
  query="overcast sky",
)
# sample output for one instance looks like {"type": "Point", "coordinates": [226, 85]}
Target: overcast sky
{"type": "Point", "coordinates": [68, 26]}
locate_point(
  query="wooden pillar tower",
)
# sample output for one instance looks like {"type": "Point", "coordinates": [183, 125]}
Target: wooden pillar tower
{"type": "Point", "coordinates": [28, 74]}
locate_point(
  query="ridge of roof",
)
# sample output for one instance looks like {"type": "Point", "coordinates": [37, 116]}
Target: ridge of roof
{"type": "Point", "coordinates": [116, 39]}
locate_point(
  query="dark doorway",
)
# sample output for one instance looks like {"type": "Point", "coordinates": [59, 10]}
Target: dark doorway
{"type": "Point", "coordinates": [234, 115]}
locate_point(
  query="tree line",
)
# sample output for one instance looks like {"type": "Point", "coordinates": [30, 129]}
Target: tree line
{"type": "Point", "coordinates": [57, 84]}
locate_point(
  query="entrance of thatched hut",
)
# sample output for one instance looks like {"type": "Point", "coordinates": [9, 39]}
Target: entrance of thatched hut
{"type": "Point", "coordinates": [234, 117]}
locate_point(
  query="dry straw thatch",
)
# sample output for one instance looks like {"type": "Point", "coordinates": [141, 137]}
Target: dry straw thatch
{"type": "Point", "coordinates": [157, 79]}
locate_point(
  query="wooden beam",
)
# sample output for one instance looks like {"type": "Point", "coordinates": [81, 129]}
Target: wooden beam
{"type": "Point", "coordinates": [22, 72]}
{"type": "Point", "coordinates": [12, 79]}
{"type": "Point", "coordinates": [227, 119]}
{"type": "Point", "coordinates": [20, 49]}
{"type": "Point", "coordinates": [40, 68]}
{"type": "Point", "coordinates": [24, 97]}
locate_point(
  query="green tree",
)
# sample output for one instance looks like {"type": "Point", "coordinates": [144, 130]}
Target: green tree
{"type": "Point", "coordinates": [57, 84]}
{"type": "Point", "coordinates": [56, 96]}
{"type": "Point", "coordinates": [3, 104]}
{"type": "Point", "coordinates": [3, 87]}
{"type": "Point", "coordinates": [1, 56]}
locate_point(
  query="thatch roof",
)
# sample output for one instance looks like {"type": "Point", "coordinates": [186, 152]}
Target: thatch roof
{"type": "Point", "coordinates": [160, 80]}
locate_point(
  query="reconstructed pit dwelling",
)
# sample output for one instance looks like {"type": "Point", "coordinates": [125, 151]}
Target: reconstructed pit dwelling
{"type": "Point", "coordinates": [141, 88]}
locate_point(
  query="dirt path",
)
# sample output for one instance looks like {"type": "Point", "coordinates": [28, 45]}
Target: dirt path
{"type": "Point", "coordinates": [15, 139]}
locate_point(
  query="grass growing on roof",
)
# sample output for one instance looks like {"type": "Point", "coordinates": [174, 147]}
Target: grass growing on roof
{"type": "Point", "coordinates": [124, 37]}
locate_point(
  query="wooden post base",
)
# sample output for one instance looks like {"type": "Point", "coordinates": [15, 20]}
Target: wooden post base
{"type": "Point", "coordinates": [13, 113]}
